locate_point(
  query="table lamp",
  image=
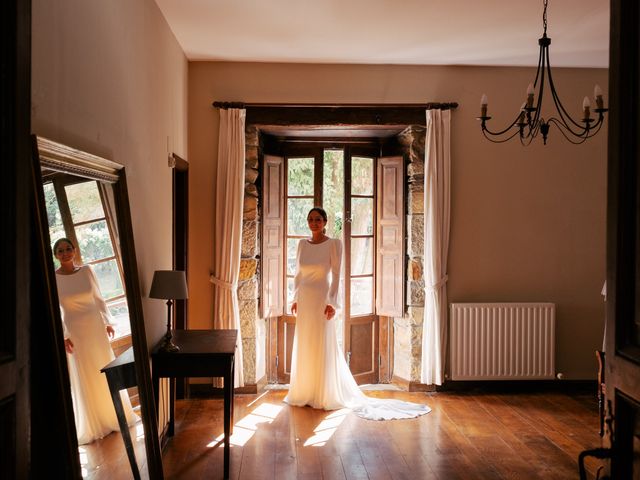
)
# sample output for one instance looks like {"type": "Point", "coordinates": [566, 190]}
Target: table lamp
{"type": "Point", "coordinates": [169, 285]}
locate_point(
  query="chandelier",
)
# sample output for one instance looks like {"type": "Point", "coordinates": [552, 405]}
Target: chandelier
{"type": "Point", "coordinates": [529, 121]}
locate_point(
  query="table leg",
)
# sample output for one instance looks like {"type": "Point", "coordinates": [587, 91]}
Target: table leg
{"type": "Point", "coordinates": [124, 428]}
{"type": "Point", "coordinates": [172, 406]}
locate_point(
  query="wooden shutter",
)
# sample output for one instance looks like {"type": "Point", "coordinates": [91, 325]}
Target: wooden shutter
{"type": "Point", "coordinates": [390, 238]}
{"type": "Point", "coordinates": [273, 238]}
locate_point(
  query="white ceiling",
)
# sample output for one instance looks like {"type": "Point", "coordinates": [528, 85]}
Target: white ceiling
{"type": "Point", "coordinates": [413, 32]}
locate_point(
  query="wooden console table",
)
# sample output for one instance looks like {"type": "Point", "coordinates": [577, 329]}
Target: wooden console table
{"type": "Point", "coordinates": [203, 353]}
{"type": "Point", "coordinates": [121, 374]}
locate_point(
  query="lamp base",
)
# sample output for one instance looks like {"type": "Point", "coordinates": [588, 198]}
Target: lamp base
{"type": "Point", "coordinates": [167, 345]}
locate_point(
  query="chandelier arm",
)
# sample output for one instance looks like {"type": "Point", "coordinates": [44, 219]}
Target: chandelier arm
{"type": "Point", "coordinates": [484, 132]}
{"type": "Point", "coordinates": [501, 132]}
{"type": "Point", "coordinates": [556, 99]}
{"type": "Point", "coordinates": [563, 129]}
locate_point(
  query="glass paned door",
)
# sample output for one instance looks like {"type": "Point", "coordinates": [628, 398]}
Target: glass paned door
{"type": "Point", "coordinates": [343, 184]}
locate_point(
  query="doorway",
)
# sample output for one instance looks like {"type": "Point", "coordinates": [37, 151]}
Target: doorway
{"type": "Point", "coordinates": [342, 179]}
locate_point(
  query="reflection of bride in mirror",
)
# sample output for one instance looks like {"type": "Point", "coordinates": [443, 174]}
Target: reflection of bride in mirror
{"type": "Point", "coordinates": [87, 328]}
{"type": "Point", "coordinates": [92, 297]}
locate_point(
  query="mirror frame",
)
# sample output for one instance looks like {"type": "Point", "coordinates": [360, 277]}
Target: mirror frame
{"type": "Point", "coordinates": [61, 158]}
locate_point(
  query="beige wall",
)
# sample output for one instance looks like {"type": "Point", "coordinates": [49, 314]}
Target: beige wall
{"type": "Point", "coordinates": [527, 223]}
{"type": "Point", "coordinates": [110, 78]}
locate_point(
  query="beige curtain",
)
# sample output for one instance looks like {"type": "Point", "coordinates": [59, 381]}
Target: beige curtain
{"type": "Point", "coordinates": [437, 182]}
{"type": "Point", "coordinates": [227, 225]}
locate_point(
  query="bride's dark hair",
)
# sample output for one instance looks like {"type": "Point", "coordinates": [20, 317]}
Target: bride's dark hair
{"type": "Point", "coordinates": [322, 213]}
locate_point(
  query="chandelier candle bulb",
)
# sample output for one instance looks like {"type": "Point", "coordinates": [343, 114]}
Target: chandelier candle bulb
{"type": "Point", "coordinates": [530, 95]}
{"type": "Point", "coordinates": [586, 107]}
{"type": "Point", "coordinates": [597, 93]}
{"type": "Point", "coordinates": [483, 105]}
{"type": "Point", "coordinates": [521, 121]}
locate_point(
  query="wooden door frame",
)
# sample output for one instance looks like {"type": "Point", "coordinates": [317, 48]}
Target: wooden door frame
{"type": "Point", "coordinates": [180, 244]}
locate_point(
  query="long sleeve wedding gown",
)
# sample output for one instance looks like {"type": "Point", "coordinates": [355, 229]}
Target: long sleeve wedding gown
{"type": "Point", "coordinates": [320, 376]}
{"type": "Point", "coordinates": [84, 317]}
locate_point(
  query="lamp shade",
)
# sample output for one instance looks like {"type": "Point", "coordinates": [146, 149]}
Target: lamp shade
{"type": "Point", "coordinates": [169, 285]}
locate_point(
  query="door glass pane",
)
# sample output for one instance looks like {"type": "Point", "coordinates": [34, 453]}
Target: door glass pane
{"type": "Point", "coordinates": [300, 176]}
{"type": "Point", "coordinates": [108, 279]}
{"type": "Point", "coordinates": [289, 295]}
{"type": "Point", "coordinates": [361, 176]}
{"type": "Point", "coordinates": [297, 211]}
{"type": "Point", "coordinates": [84, 201]}
{"type": "Point", "coordinates": [94, 241]}
{"type": "Point", "coordinates": [361, 296]}
{"type": "Point", "coordinates": [333, 191]}
{"type": "Point", "coordinates": [292, 250]}
{"type": "Point", "coordinates": [362, 256]}
{"type": "Point", "coordinates": [362, 216]}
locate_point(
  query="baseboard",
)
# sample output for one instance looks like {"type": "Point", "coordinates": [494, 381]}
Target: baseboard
{"type": "Point", "coordinates": [410, 386]}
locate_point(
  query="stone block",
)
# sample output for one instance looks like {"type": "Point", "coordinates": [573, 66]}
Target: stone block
{"type": "Point", "coordinates": [251, 189]}
{"type": "Point", "coordinates": [248, 290]}
{"type": "Point", "coordinates": [415, 168]}
{"type": "Point", "coordinates": [415, 293]}
{"type": "Point", "coordinates": [415, 316]}
{"type": "Point", "coordinates": [250, 175]}
{"type": "Point", "coordinates": [250, 208]}
{"type": "Point", "coordinates": [248, 317]}
{"type": "Point", "coordinates": [251, 136]}
{"type": "Point", "coordinates": [249, 359]}
{"type": "Point", "coordinates": [249, 239]}
{"type": "Point", "coordinates": [248, 268]}
{"type": "Point", "coordinates": [416, 199]}
{"type": "Point", "coordinates": [415, 268]}
{"type": "Point", "coordinates": [251, 156]}
{"type": "Point", "coordinates": [402, 352]}
{"type": "Point", "coordinates": [415, 226]}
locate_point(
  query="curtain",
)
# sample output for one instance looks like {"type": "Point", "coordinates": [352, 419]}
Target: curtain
{"type": "Point", "coordinates": [437, 180]}
{"type": "Point", "coordinates": [227, 224]}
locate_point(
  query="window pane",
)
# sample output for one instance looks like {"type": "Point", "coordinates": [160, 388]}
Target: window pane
{"type": "Point", "coordinates": [362, 176]}
{"type": "Point", "coordinates": [120, 317]}
{"type": "Point", "coordinates": [84, 201]}
{"type": "Point", "coordinates": [361, 296]}
{"type": "Point", "coordinates": [362, 216]}
{"type": "Point", "coordinates": [108, 279]}
{"type": "Point", "coordinates": [300, 176]}
{"type": "Point", "coordinates": [289, 295]}
{"type": "Point", "coordinates": [54, 218]}
{"type": "Point", "coordinates": [297, 211]}
{"type": "Point", "coordinates": [333, 191]}
{"type": "Point", "coordinates": [292, 249]}
{"type": "Point", "coordinates": [362, 256]}
{"type": "Point", "coordinates": [94, 241]}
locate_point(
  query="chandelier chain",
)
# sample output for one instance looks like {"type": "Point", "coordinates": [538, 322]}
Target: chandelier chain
{"type": "Point", "coordinates": [544, 17]}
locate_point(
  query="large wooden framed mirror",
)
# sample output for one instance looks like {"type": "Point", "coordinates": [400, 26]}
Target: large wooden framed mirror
{"type": "Point", "coordinates": [84, 198]}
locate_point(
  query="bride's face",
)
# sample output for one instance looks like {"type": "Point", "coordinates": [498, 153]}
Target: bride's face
{"type": "Point", "coordinates": [316, 222]}
{"type": "Point", "coordinates": [65, 252]}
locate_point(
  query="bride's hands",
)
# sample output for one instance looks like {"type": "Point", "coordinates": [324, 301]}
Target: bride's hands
{"type": "Point", "coordinates": [329, 311]}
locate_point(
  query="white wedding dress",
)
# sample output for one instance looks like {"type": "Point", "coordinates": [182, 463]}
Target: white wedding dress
{"type": "Point", "coordinates": [84, 319]}
{"type": "Point", "coordinates": [320, 376]}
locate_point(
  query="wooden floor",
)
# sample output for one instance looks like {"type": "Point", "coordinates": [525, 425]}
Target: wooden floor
{"type": "Point", "coordinates": [106, 459]}
{"type": "Point", "coordinates": [466, 436]}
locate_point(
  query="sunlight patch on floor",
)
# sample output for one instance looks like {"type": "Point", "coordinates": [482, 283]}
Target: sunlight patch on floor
{"type": "Point", "coordinates": [326, 428]}
{"type": "Point", "coordinates": [246, 427]}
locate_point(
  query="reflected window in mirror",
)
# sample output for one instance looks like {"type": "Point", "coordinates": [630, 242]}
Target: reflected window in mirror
{"type": "Point", "coordinates": [79, 209]}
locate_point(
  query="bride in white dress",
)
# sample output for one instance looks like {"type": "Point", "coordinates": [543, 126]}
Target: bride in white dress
{"type": "Point", "coordinates": [86, 325]}
{"type": "Point", "coordinates": [320, 376]}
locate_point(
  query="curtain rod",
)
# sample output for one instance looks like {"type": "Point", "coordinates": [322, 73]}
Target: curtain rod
{"type": "Point", "coordinates": [426, 106]}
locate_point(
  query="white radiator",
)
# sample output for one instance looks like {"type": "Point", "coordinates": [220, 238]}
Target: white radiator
{"type": "Point", "coordinates": [502, 341]}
